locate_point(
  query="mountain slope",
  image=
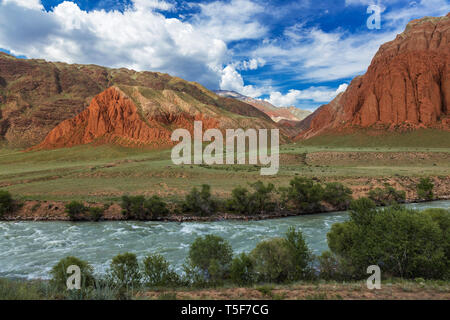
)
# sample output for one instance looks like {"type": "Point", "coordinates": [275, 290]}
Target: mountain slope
{"type": "Point", "coordinates": [36, 96]}
{"type": "Point", "coordinates": [406, 87]}
{"type": "Point", "coordinates": [275, 113]}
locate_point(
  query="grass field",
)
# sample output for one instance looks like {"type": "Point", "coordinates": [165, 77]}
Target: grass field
{"type": "Point", "coordinates": [392, 289]}
{"type": "Point", "coordinates": [104, 173]}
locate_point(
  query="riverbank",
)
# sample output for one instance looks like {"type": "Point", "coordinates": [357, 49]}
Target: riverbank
{"type": "Point", "coordinates": [41, 210]}
{"type": "Point", "coordinates": [54, 211]}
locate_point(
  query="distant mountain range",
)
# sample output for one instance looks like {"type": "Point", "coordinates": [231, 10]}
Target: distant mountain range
{"type": "Point", "coordinates": [54, 105]}
{"type": "Point", "coordinates": [51, 105]}
{"type": "Point", "coordinates": [275, 113]}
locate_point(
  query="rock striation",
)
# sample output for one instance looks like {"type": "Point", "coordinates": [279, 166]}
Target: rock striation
{"type": "Point", "coordinates": [407, 86]}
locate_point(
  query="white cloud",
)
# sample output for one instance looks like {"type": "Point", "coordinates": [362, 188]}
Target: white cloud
{"type": "Point", "coordinates": [231, 21]}
{"type": "Point", "coordinates": [152, 4]}
{"type": "Point", "coordinates": [29, 4]}
{"type": "Point", "coordinates": [298, 97]}
{"type": "Point", "coordinates": [316, 55]}
{"type": "Point", "coordinates": [138, 38]}
{"type": "Point", "coordinates": [232, 80]}
{"type": "Point", "coordinates": [341, 88]}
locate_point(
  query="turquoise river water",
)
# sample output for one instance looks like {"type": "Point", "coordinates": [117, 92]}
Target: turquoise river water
{"type": "Point", "coordinates": [30, 249]}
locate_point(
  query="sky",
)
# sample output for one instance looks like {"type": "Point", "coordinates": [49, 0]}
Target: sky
{"type": "Point", "coordinates": [291, 53]}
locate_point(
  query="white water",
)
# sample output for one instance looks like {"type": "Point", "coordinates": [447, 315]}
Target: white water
{"type": "Point", "coordinates": [30, 249]}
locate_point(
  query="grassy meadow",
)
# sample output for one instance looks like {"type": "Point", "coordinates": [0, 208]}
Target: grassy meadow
{"type": "Point", "coordinates": [105, 173]}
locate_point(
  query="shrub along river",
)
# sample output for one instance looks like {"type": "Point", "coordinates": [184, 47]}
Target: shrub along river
{"type": "Point", "coordinates": [30, 249]}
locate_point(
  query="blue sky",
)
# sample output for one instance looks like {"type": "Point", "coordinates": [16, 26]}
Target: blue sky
{"type": "Point", "coordinates": [298, 53]}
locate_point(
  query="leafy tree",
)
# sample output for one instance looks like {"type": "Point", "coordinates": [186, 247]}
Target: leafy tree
{"type": "Point", "coordinates": [261, 198]}
{"type": "Point", "coordinates": [124, 271]}
{"type": "Point", "coordinates": [273, 261]}
{"type": "Point", "coordinates": [74, 209]}
{"type": "Point", "coordinates": [387, 196]}
{"type": "Point", "coordinates": [6, 203]}
{"type": "Point", "coordinates": [211, 255]}
{"type": "Point", "coordinates": [242, 270]}
{"type": "Point", "coordinates": [133, 206]}
{"type": "Point", "coordinates": [425, 189]}
{"type": "Point", "coordinates": [96, 213]}
{"type": "Point", "coordinates": [155, 207]}
{"type": "Point", "coordinates": [301, 255]}
{"type": "Point", "coordinates": [404, 243]}
{"type": "Point", "coordinates": [60, 275]}
{"type": "Point", "coordinates": [158, 273]}
{"type": "Point", "coordinates": [244, 202]}
{"type": "Point", "coordinates": [363, 210]}
{"type": "Point", "coordinates": [304, 194]}
{"type": "Point", "coordinates": [337, 195]}
{"type": "Point", "coordinates": [240, 201]}
{"type": "Point", "coordinates": [200, 201]}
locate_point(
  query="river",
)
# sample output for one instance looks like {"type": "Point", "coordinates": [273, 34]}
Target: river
{"type": "Point", "coordinates": [30, 249]}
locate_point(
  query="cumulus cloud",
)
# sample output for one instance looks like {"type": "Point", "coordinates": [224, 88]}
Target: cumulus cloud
{"type": "Point", "coordinates": [213, 45]}
{"type": "Point", "coordinates": [231, 21]}
{"type": "Point", "coordinates": [307, 96]}
{"type": "Point", "coordinates": [317, 55]}
{"type": "Point", "coordinates": [29, 4]}
{"type": "Point", "coordinates": [232, 80]}
{"type": "Point", "coordinates": [137, 38]}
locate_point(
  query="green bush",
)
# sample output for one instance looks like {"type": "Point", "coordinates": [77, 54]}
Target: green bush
{"type": "Point", "coordinates": [328, 266]}
{"type": "Point", "coordinates": [283, 259]}
{"type": "Point", "coordinates": [240, 201]}
{"type": "Point", "coordinates": [211, 255]}
{"type": "Point", "coordinates": [155, 207]}
{"type": "Point", "coordinates": [301, 255]}
{"type": "Point", "coordinates": [124, 271]}
{"type": "Point", "coordinates": [337, 195]}
{"type": "Point", "coordinates": [304, 194]}
{"type": "Point", "coordinates": [258, 202]}
{"type": "Point", "coordinates": [404, 243]}
{"type": "Point", "coordinates": [60, 275]}
{"type": "Point", "coordinates": [200, 202]}
{"type": "Point", "coordinates": [137, 207]}
{"type": "Point", "coordinates": [442, 218]}
{"type": "Point", "coordinates": [74, 209]}
{"type": "Point", "coordinates": [241, 270]}
{"type": "Point", "coordinates": [133, 207]}
{"type": "Point", "coordinates": [157, 272]}
{"type": "Point", "coordinates": [95, 213]}
{"type": "Point", "coordinates": [425, 189]}
{"type": "Point", "coordinates": [387, 196]}
{"type": "Point", "coordinates": [6, 203]}
{"type": "Point", "coordinates": [363, 210]}
{"type": "Point", "coordinates": [273, 261]}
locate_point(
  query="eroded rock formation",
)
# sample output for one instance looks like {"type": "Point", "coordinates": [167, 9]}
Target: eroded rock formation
{"type": "Point", "coordinates": [407, 86]}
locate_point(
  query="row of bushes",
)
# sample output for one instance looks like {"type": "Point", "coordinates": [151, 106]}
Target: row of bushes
{"type": "Point", "coordinates": [402, 242]}
{"type": "Point", "coordinates": [303, 195]}
{"type": "Point", "coordinates": [210, 262]}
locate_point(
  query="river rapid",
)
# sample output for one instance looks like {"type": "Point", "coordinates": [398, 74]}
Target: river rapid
{"type": "Point", "coordinates": [30, 249]}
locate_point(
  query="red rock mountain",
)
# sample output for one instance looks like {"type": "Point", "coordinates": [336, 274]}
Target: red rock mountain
{"type": "Point", "coordinates": [36, 96]}
{"type": "Point", "coordinates": [406, 86]}
{"type": "Point", "coordinates": [110, 118]}
{"type": "Point", "coordinates": [134, 120]}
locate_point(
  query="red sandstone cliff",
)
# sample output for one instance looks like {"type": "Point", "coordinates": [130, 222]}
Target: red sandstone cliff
{"type": "Point", "coordinates": [406, 86]}
{"type": "Point", "coordinates": [114, 117]}
{"type": "Point", "coordinates": [110, 118]}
